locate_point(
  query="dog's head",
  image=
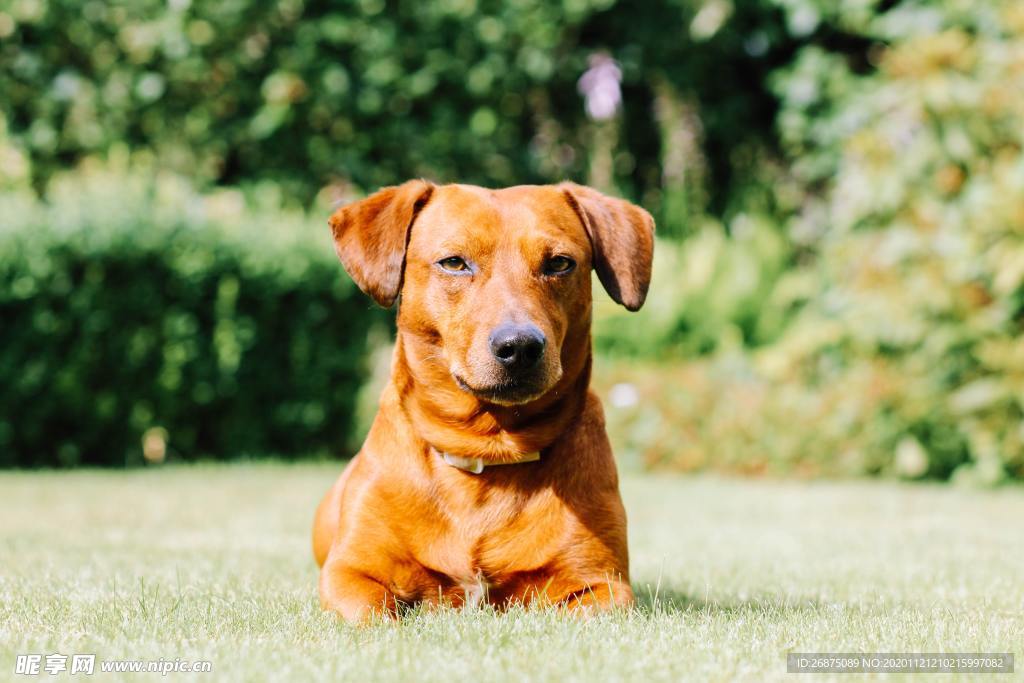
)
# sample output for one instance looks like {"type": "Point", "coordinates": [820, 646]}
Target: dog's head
{"type": "Point", "coordinates": [495, 284]}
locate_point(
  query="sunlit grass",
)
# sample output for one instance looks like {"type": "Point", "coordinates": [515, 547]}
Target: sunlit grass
{"type": "Point", "coordinates": [214, 563]}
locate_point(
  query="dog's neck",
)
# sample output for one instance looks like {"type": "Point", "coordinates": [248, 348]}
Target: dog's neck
{"type": "Point", "coordinates": [454, 421]}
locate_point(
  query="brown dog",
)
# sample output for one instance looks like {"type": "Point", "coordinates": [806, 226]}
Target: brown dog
{"type": "Point", "coordinates": [487, 474]}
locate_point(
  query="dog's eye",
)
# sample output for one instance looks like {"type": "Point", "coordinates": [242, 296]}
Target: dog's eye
{"type": "Point", "coordinates": [559, 265]}
{"type": "Point", "coordinates": [453, 264]}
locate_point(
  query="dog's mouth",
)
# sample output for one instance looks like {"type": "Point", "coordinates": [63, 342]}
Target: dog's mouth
{"type": "Point", "coordinates": [508, 392]}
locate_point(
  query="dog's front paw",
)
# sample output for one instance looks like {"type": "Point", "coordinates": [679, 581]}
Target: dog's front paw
{"type": "Point", "coordinates": [600, 597]}
{"type": "Point", "coordinates": [354, 596]}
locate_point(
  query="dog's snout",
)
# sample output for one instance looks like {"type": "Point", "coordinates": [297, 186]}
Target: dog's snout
{"type": "Point", "coordinates": [517, 347]}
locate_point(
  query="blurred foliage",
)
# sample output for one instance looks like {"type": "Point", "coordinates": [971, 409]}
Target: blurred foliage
{"type": "Point", "coordinates": [902, 350]}
{"type": "Point", "coordinates": [839, 188]}
{"type": "Point", "coordinates": [364, 93]}
{"type": "Point", "coordinates": [920, 281]}
{"type": "Point", "coordinates": [707, 293]}
{"type": "Point", "coordinates": [721, 413]}
{"type": "Point", "coordinates": [141, 319]}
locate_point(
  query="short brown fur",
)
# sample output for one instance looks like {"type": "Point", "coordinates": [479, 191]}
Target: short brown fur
{"type": "Point", "coordinates": [401, 525]}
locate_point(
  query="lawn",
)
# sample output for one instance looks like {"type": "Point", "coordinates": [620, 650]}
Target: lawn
{"type": "Point", "coordinates": [213, 563]}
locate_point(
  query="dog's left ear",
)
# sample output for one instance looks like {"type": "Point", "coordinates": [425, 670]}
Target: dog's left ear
{"type": "Point", "coordinates": [370, 237]}
{"type": "Point", "coordinates": [622, 236]}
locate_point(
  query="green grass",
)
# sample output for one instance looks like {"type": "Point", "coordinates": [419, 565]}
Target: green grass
{"type": "Point", "coordinates": [214, 563]}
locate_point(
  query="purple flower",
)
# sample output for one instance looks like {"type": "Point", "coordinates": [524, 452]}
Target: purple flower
{"type": "Point", "coordinates": [600, 88]}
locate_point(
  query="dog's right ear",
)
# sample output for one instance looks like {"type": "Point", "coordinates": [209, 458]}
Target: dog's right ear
{"type": "Point", "coordinates": [370, 237]}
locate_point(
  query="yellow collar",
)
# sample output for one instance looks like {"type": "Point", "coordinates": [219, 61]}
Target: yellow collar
{"type": "Point", "coordinates": [477, 465]}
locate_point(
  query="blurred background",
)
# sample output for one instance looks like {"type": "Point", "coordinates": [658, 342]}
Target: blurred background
{"type": "Point", "coordinates": [838, 187]}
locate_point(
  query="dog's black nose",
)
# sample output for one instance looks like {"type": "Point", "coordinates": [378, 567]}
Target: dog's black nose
{"type": "Point", "coordinates": [517, 347]}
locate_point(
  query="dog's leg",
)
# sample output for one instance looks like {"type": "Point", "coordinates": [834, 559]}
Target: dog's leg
{"type": "Point", "coordinates": [327, 521]}
{"type": "Point", "coordinates": [353, 594]}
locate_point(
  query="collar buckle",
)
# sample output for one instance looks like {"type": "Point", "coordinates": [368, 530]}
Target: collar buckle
{"type": "Point", "coordinates": [477, 465]}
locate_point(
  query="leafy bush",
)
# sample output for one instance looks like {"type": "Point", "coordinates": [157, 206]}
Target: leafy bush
{"type": "Point", "coordinates": [369, 93]}
{"type": "Point", "coordinates": [904, 353]}
{"type": "Point", "coordinates": [723, 414]}
{"type": "Point", "coordinates": [140, 318]}
{"type": "Point", "coordinates": [920, 282]}
{"type": "Point", "coordinates": [848, 175]}
{"type": "Point", "coordinates": [707, 293]}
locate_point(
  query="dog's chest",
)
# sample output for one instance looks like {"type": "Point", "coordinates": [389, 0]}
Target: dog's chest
{"type": "Point", "coordinates": [491, 538]}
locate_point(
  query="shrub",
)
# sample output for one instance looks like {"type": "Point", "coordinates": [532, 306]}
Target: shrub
{"type": "Point", "coordinates": [722, 414]}
{"type": "Point", "coordinates": [707, 293]}
{"type": "Point", "coordinates": [920, 282]}
{"type": "Point", "coordinates": [904, 354]}
{"type": "Point", "coordinates": [370, 93]}
{"type": "Point", "coordinates": [136, 310]}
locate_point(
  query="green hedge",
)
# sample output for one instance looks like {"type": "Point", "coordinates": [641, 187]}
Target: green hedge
{"type": "Point", "coordinates": [134, 307]}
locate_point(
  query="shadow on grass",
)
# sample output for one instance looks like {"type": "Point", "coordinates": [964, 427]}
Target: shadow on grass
{"type": "Point", "coordinates": [663, 600]}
